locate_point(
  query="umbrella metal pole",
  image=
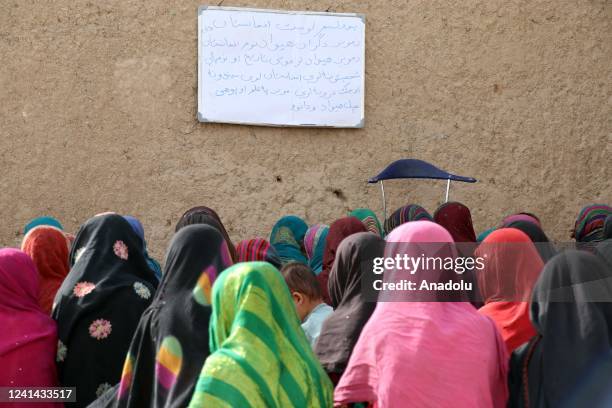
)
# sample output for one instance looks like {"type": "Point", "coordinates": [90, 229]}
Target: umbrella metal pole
{"type": "Point", "coordinates": [447, 189]}
{"type": "Point", "coordinates": [382, 189]}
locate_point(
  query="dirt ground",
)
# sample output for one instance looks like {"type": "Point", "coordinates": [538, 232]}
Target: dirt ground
{"type": "Point", "coordinates": [98, 112]}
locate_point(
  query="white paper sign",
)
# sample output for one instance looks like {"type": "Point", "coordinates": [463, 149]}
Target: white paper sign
{"type": "Point", "coordinates": [266, 67]}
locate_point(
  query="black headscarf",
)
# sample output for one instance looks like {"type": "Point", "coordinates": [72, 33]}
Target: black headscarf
{"type": "Point", "coordinates": [594, 390]}
{"type": "Point", "coordinates": [607, 231]}
{"type": "Point", "coordinates": [208, 216]}
{"type": "Point", "coordinates": [545, 248]}
{"type": "Point", "coordinates": [171, 342]}
{"type": "Point", "coordinates": [604, 248]}
{"type": "Point", "coordinates": [99, 304]}
{"type": "Point", "coordinates": [572, 313]}
{"type": "Point", "coordinates": [341, 329]}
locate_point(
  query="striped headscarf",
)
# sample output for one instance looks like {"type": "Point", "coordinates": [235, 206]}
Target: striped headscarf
{"type": "Point", "coordinates": [589, 225]}
{"type": "Point", "coordinates": [314, 244]}
{"type": "Point", "coordinates": [411, 212]}
{"type": "Point", "coordinates": [369, 219]}
{"type": "Point", "coordinates": [522, 216]}
{"type": "Point", "coordinates": [260, 355]}
{"type": "Point", "coordinates": [287, 238]}
{"type": "Point", "coordinates": [257, 249]}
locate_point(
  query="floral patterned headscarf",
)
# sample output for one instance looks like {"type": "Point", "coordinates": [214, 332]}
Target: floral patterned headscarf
{"type": "Point", "coordinates": [99, 304]}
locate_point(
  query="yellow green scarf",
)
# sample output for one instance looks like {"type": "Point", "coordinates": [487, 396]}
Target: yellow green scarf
{"type": "Point", "coordinates": [259, 354]}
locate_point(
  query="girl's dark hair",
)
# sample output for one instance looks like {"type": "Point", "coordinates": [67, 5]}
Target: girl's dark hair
{"type": "Point", "coordinates": [300, 279]}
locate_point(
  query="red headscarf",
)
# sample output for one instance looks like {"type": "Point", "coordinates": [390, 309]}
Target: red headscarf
{"type": "Point", "coordinates": [457, 220]}
{"type": "Point", "coordinates": [257, 249]}
{"type": "Point", "coordinates": [29, 336]}
{"type": "Point", "coordinates": [511, 267]}
{"type": "Point", "coordinates": [339, 230]}
{"type": "Point", "coordinates": [48, 248]}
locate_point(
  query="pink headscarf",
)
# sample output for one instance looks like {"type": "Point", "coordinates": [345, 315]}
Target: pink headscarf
{"type": "Point", "coordinates": [29, 336]}
{"type": "Point", "coordinates": [426, 353]}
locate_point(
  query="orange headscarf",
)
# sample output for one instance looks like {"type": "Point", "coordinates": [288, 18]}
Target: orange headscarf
{"type": "Point", "coordinates": [511, 267]}
{"type": "Point", "coordinates": [48, 248]}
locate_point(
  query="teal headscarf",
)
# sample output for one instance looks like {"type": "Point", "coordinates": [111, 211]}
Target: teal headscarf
{"type": "Point", "coordinates": [485, 234]}
{"type": "Point", "coordinates": [37, 222]}
{"type": "Point", "coordinates": [287, 238]}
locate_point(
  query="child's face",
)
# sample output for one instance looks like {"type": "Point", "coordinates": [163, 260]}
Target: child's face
{"type": "Point", "coordinates": [301, 304]}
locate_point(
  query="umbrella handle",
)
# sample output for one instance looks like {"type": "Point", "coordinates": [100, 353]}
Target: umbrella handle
{"type": "Point", "coordinates": [447, 189]}
{"type": "Point", "coordinates": [382, 189]}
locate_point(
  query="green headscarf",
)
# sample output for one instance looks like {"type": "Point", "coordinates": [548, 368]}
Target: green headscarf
{"type": "Point", "coordinates": [369, 219]}
{"type": "Point", "coordinates": [259, 354]}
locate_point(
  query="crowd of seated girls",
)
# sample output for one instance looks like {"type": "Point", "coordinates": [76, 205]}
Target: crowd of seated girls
{"type": "Point", "coordinates": [284, 321]}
